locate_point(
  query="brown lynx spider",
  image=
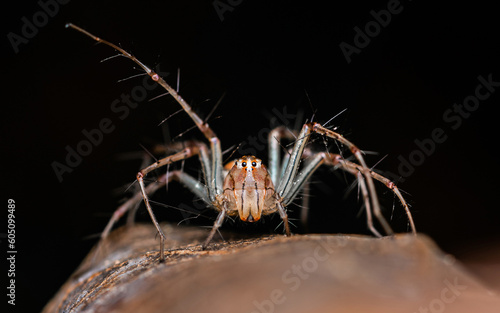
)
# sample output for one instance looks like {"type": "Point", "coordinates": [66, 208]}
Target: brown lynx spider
{"type": "Point", "coordinates": [245, 187]}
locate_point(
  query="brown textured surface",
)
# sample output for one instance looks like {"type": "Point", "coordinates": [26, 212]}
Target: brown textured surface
{"type": "Point", "coordinates": [308, 273]}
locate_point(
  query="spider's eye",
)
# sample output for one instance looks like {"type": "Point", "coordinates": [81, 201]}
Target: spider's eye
{"type": "Point", "coordinates": [254, 164]}
{"type": "Point", "coordinates": [244, 164]}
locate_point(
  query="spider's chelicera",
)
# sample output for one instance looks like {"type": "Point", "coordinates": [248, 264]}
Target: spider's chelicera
{"type": "Point", "coordinates": [245, 187]}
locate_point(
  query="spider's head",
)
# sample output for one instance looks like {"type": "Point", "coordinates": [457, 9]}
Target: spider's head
{"type": "Point", "coordinates": [248, 188]}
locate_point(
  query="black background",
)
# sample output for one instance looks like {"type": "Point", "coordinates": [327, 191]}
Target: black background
{"type": "Point", "coordinates": [264, 55]}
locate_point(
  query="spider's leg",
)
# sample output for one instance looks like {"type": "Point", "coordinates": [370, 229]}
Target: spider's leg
{"type": "Point", "coordinates": [132, 205]}
{"type": "Point", "coordinates": [353, 167]}
{"type": "Point", "coordinates": [204, 156]}
{"type": "Point", "coordinates": [274, 147]}
{"type": "Point", "coordinates": [317, 128]}
{"type": "Point", "coordinates": [189, 151]}
{"type": "Point", "coordinates": [133, 202]}
{"type": "Point", "coordinates": [284, 217]}
{"type": "Point", "coordinates": [312, 164]}
{"type": "Point", "coordinates": [304, 210]}
{"type": "Point", "coordinates": [213, 170]}
{"type": "Point", "coordinates": [288, 172]}
{"type": "Point", "coordinates": [133, 210]}
{"type": "Point", "coordinates": [185, 179]}
{"type": "Point", "coordinates": [218, 223]}
{"type": "Point", "coordinates": [286, 182]}
{"type": "Point", "coordinates": [366, 198]}
{"type": "Point", "coordinates": [215, 180]}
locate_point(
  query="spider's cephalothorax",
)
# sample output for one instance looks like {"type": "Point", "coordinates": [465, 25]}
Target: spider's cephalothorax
{"type": "Point", "coordinates": [249, 190]}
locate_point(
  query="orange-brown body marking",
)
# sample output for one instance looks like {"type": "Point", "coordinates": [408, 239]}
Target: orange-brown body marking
{"type": "Point", "coordinates": [249, 189]}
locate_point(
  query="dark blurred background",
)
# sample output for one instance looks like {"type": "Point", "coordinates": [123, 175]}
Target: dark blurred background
{"type": "Point", "coordinates": [267, 57]}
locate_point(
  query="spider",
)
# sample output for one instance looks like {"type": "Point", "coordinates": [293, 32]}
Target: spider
{"type": "Point", "coordinates": [246, 187]}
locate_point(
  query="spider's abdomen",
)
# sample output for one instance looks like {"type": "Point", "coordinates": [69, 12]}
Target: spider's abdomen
{"type": "Point", "coordinates": [249, 189]}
